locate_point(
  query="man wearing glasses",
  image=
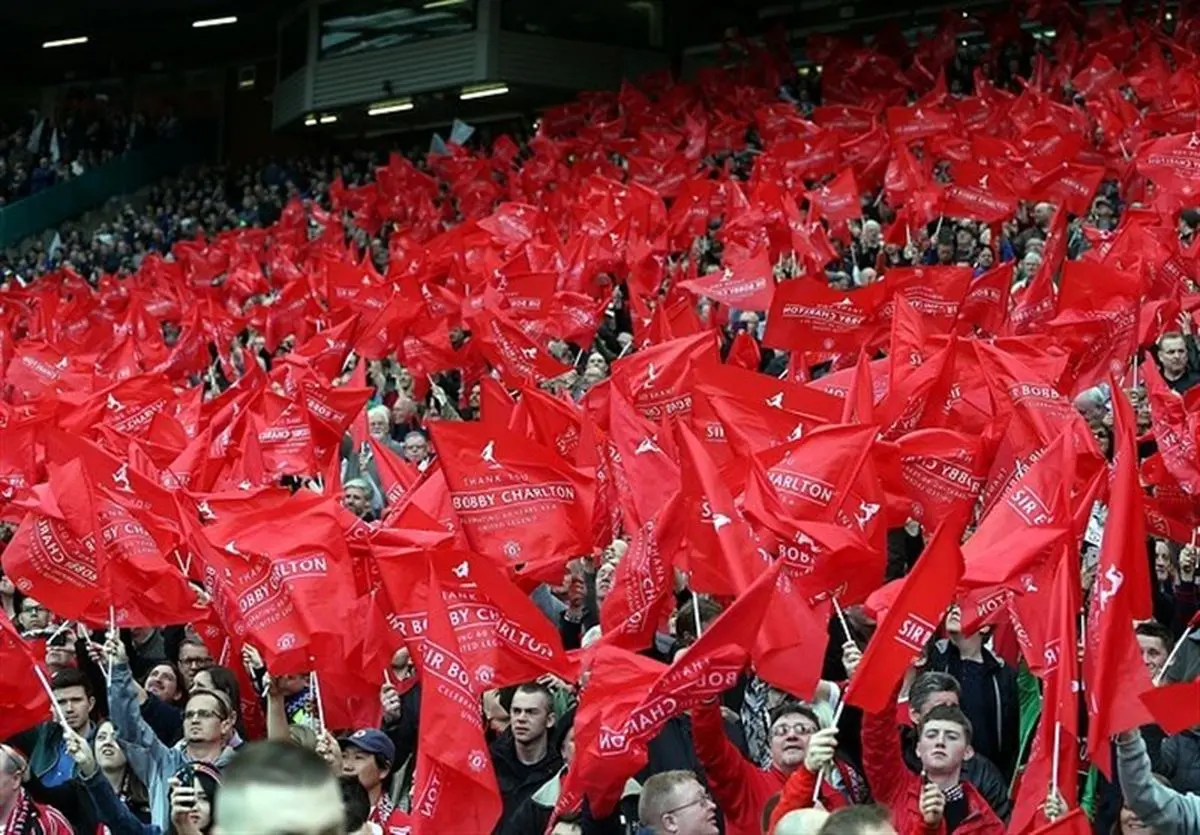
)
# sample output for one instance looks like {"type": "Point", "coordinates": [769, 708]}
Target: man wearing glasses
{"type": "Point", "coordinates": [208, 720]}
{"type": "Point", "coordinates": [674, 803]}
{"type": "Point", "coordinates": [740, 787]}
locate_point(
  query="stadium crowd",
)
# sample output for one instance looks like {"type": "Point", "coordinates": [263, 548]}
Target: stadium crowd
{"type": "Point", "coordinates": [763, 453]}
{"type": "Point", "coordinates": [36, 152]}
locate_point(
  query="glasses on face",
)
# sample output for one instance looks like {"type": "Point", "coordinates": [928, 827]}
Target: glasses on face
{"type": "Point", "coordinates": [704, 797]}
{"type": "Point", "coordinates": [201, 713]}
{"type": "Point", "coordinates": [195, 662]}
{"type": "Point", "coordinates": [798, 728]}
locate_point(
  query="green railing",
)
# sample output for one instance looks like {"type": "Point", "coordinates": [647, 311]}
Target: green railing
{"type": "Point", "coordinates": [122, 175]}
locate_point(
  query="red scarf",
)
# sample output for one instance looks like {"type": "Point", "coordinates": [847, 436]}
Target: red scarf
{"type": "Point", "coordinates": [29, 818]}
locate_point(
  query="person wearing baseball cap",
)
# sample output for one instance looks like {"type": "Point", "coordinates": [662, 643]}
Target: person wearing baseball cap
{"type": "Point", "coordinates": [368, 755]}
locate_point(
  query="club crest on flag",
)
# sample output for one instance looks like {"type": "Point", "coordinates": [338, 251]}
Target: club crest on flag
{"type": "Point", "coordinates": [647, 445]}
{"type": "Point", "coordinates": [121, 479]}
{"type": "Point", "coordinates": [488, 456]}
{"type": "Point", "coordinates": [1113, 578]}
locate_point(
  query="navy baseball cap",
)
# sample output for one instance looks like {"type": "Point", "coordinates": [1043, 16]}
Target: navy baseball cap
{"type": "Point", "coordinates": [371, 740]}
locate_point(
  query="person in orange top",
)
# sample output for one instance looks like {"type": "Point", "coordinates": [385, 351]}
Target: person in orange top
{"type": "Point", "coordinates": [938, 800]}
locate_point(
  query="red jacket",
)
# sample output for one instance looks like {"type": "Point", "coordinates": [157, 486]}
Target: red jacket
{"type": "Point", "coordinates": [798, 794]}
{"type": "Point", "coordinates": [897, 788]}
{"type": "Point", "coordinates": [740, 788]}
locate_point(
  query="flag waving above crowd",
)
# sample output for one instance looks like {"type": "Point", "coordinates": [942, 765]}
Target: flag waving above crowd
{"type": "Point", "coordinates": [734, 450]}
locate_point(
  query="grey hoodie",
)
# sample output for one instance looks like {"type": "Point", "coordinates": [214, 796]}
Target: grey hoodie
{"type": "Point", "coordinates": [153, 762]}
{"type": "Point", "coordinates": [1162, 809]}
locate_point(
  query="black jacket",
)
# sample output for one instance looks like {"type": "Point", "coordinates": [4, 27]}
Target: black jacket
{"type": "Point", "coordinates": [516, 780]}
{"type": "Point", "coordinates": [1180, 761]}
{"type": "Point", "coordinates": [1003, 716]}
{"type": "Point", "coordinates": [533, 816]}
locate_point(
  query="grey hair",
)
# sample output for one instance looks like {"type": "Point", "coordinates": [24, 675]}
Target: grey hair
{"type": "Point", "coordinates": [926, 684]}
{"type": "Point", "coordinates": [12, 761]}
{"type": "Point", "coordinates": [379, 412]}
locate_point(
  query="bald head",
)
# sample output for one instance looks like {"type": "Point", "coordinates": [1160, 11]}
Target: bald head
{"type": "Point", "coordinates": [801, 822]}
{"type": "Point", "coordinates": [273, 788]}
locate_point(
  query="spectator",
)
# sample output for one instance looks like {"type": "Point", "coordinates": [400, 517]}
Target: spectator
{"type": "Point", "coordinates": [1164, 810]}
{"type": "Point", "coordinates": [741, 789]}
{"type": "Point", "coordinates": [208, 721]}
{"type": "Point", "coordinates": [416, 450]}
{"type": "Point", "coordinates": [676, 803]}
{"type": "Point", "coordinates": [18, 811]}
{"type": "Point", "coordinates": [193, 657]}
{"type": "Point", "coordinates": [356, 496]}
{"type": "Point", "coordinates": [859, 820]}
{"type": "Point", "coordinates": [522, 756]}
{"type": "Point", "coordinates": [1178, 359]}
{"type": "Point", "coordinates": [939, 797]}
{"type": "Point", "coordinates": [275, 787]}
{"type": "Point", "coordinates": [933, 689]}
{"type": "Point", "coordinates": [368, 755]}
{"type": "Point", "coordinates": [987, 692]}
{"type": "Point", "coordinates": [1155, 641]}
{"type": "Point", "coordinates": [49, 768]}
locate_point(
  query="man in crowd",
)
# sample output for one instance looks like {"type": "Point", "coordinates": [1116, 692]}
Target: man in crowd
{"type": "Point", "coordinates": [1159, 808]}
{"type": "Point", "coordinates": [938, 799]}
{"type": "Point", "coordinates": [49, 768]}
{"type": "Point", "coordinates": [416, 450]}
{"type": "Point", "coordinates": [740, 788]}
{"type": "Point", "coordinates": [277, 787]}
{"type": "Point", "coordinates": [1178, 367]}
{"type": "Point", "coordinates": [675, 803]}
{"type": "Point", "coordinates": [18, 812]}
{"type": "Point", "coordinates": [859, 820]}
{"type": "Point", "coordinates": [356, 496]}
{"type": "Point", "coordinates": [987, 691]}
{"type": "Point", "coordinates": [1155, 641]}
{"type": "Point", "coordinates": [522, 756]}
{"type": "Point", "coordinates": [208, 721]}
{"type": "Point", "coordinates": [193, 657]}
{"type": "Point", "coordinates": [379, 424]}
{"type": "Point", "coordinates": [934, 689]}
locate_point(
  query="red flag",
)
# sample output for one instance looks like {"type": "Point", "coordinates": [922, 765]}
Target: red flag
{"type": "Point", "coordinates": [1038, 505]}
{"type": "Point", "coordinates": [723, 558]}
{"type": "Point", "coordinates": [910, 621]}
{"type": "Point", "coordinates": [501, 634]}
{"type": "Point", "coordinates": [607, 750]}
{"type": "Point", "coordinates": [1126, 494]}
{"type": "Point", "coordinates": [1060, 701]}
{"type": "Point", "coordinates": [517, 357]}
{"type": "Point", "coordinates": [808, 315]}
{"type": "Point", "coordinates": [1175, 707]}
{"type": "Point", "coordinates": [747, 285]}
{"type": "Point", "coordinates": [1173, 163]}
{"type": "Point", "coordinates": [397, 475]}
{"type": "Point", "coordinates": [25, 701]}
{"type": "Point", "coordinates": [454, 788]}
{"type": "Point", "coordinates": [640, 598]}
{"type": "Point", "coordinates": [518, 501]}
{"type": "Point", "coordinates": [655, 379]}
{"type": "Point", "coordinates": [1074, 822]}
{"type": "Point", "coordinates": [943, 473]}
{"type": "Point", "coordinates": [1113, 668]}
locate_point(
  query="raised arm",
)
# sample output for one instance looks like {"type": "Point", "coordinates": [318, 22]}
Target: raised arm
{"type": "Point", "coordinates": [1162, 809]}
